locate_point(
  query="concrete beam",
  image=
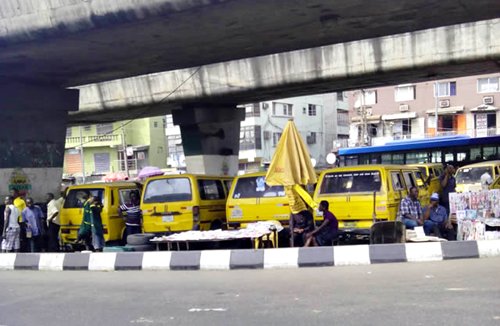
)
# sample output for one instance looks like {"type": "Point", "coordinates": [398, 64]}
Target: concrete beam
{"type": "Point", "coordinates": [451, 51]}
{"type": "Point", "coordinates": [68, 42]}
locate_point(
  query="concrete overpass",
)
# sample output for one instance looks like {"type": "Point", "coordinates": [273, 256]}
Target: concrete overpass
{"type": "Point", "coordinates": [46, 46]}
{"type": "Point", "coordinates": [451, 51]}
{"type": "Point", "coordinates": [70, 43]}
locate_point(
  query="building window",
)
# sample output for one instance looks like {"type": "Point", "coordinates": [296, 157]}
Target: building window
{"type": "Point", "coordinates": [164, 123]}
{"type": "Point", "coordinates": [87, 128]}
{"type": "Point", "coordinates": [401, 129]}
{"type": "Point", "coordinates": [155, 124]}
{"type": "Point", "coordinates": [104, 128]}
{"type": "Point", "coordinates": [366, 98]}
{"type": "Point", "coordinates": [282, 109]}
{"type": "Point", "coordinates": [404, 93]}
{"type": "Point", "coordinates": [311, 110]}
{"type": "Point", "coordinates": [340, 96]}
{"type": "Point", "coordinates": [169, 121]}
{"type": "Point", "coordinates": [487, 85]}
{"type": "Point", "coordinates": [101, 162]}
{"type": "Point", "coordinates": [68, 132]}
{"type": "Point", "coordinates": [311, 138]}
{"type": "Point", "coordinates": [343, 118]}
{"type": "Point", "coordinates": [250, 138]}
{"type": "Point", "coordinates": [252, 110]}
{"type": "Point", "coordinates": [276, 138]}
{"type": "Point", "coordinates": [445, 89]}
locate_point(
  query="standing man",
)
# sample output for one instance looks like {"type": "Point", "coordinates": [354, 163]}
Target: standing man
{"type": "Point", "coordinates": [410, 210]}
{"type": "Point", "coordinates": [327, 231]}
{"type": "Point", "coordinates": [53, 222]}
{"type": "Point", "coordinates": [11, 229]}
{"type": "Point", "coordinates": [131, 213]}
{"type": "Point", "coordinates": [32, 217]}
{"type": "Point", "coordinates": [436, 220]}
{"type": "Point", "coordinates": [448, 183]}
{"type": "Point", "coordinates": [486, 181]}
{"type": "Point", "coordinates": [20, 204]}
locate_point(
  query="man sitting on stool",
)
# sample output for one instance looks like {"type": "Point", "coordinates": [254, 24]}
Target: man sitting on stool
{"type": "Point", "coordinates": [436, 220]}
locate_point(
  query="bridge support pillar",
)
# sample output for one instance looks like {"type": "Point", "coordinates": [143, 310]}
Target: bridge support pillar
{"type": "Point", "coordinates": [210, 137]}
{"type": "Point", "coordinates": [32, 137]}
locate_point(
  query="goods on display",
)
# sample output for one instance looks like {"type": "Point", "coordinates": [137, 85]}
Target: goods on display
{"type": "Point", "coordinates": [475, 212]}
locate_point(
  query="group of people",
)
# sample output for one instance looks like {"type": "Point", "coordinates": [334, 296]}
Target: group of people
{"type": "Point", "coordinates": [91, 231]}
{"type": "Point", "coordinates": [25, 226]}
{"type": "Point", "coordinates": [435, 217]}
{"type": "Point", "coordinates": [303, 232]}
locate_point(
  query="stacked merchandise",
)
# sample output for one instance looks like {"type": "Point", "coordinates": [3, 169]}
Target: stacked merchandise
{"type": "Point", "coordinates": [475, 211]}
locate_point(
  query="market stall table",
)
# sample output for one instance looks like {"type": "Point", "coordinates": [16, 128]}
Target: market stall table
{"type": "Point", "coordinates": [255, 232]}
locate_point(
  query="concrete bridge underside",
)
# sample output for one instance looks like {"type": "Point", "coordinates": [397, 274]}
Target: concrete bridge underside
{"type": "Point", "coordinates": [70, 43]}
{"type": "Point", "coordinates": [458, 50]}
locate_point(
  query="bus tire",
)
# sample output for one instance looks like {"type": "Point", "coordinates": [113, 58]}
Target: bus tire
{"type": "Point", "coordinates": [139, 239]}
{"type": "Point", "coordinates": [143, 247]}
{"type": "Point", "coordinates": [215, 225]}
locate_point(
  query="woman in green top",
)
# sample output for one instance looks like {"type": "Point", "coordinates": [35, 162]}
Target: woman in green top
{"type": "Point", "coordinates": [85, 232]}
{"type": "Point", "coordinates": [96, 222]}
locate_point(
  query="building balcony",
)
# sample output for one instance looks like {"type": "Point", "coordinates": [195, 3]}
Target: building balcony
{"type": "Point", "coordinates": [469, 132]}
{"type": "Point", "coordinates": [94, 141]}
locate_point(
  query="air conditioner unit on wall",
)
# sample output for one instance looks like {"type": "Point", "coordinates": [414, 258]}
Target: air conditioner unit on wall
{"type": "Point", "coordinates": [444, 103]}
{"type": "Point", "coordinates": [404, 107]}
{"type": "Point", "coordinates": [488, 100]}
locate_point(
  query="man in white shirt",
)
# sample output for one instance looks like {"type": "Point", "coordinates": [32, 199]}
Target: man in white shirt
{"type": "Point", "coordinates": [53, 221]}
{"type": "Point", "coordinates": [486, 180]}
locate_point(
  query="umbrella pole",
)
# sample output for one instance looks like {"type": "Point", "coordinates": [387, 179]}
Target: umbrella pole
{"type": "Point", "coordinates": [124, 145]}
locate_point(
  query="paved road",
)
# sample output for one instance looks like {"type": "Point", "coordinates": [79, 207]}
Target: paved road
{"type": "Point", "coordinates": [461, 292]}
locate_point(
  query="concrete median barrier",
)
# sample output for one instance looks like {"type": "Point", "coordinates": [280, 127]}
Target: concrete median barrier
{"type": "Point", "coordinates": [252, 259]}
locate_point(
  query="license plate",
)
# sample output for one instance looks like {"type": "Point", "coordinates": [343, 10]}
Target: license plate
{"type": "Point", "coordinates": [349, 224]}
{"type": "Point", "coordinates": [167, 218]}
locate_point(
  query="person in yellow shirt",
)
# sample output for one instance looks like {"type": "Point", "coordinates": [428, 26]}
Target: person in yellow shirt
{"type": "Point", "coordinates": [20, 205]}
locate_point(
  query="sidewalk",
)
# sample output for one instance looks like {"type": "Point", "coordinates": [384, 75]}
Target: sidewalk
{"type": "Point", "coordinates": [252, 259]}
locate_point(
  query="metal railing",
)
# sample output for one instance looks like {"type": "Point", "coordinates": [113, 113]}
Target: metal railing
{"type": "Point", "coordinates": [86, 140]}
{"type": "Point", "coordinates": [132, 164]}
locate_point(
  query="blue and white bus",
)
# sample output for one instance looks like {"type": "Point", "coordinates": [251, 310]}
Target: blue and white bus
{"type": "Point", "coordinates": [460, 150]}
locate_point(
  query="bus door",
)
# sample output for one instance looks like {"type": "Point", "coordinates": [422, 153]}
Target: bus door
{"type": "Point", "coordinates": [398, 192]}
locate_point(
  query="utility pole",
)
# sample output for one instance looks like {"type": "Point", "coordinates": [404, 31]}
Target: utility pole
{"type": "Point", "coordinates": [364, 122]}
{"type": "Point", "coordinates": [82, 159]}
{"type": "Point", "coordinates": [124, 146]}
{"type": "Point", "coordinates": [436, 124]}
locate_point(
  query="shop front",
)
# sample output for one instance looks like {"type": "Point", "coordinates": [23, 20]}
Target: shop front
{"type": "Point", "coordinates": [485, 120]}
{"type": "Point", "coordinates": [450, 121]}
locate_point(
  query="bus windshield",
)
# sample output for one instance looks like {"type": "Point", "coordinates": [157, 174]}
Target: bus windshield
{"type": "Point", "coordinates": [358, 181]}
{"type": "Point", "coordinates": [256, 187]}
{"type": "Point", "coordinates": [168, 190]}
{"type": "Point", "coordinates": [472, 175]}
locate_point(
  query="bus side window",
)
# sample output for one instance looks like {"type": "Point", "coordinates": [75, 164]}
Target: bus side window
{"type": "Point", "coordinates": [397, 182]}
{"type": "Point", "coordinates": [409, 180]}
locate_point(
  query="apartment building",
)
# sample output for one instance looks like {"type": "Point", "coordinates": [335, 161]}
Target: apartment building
{"type": "Point", "coordinates": [468, 105]}
{"type": "Point", "coordinates": [102, 147]}
{"type": "Point", "coordinates": [322, 120]}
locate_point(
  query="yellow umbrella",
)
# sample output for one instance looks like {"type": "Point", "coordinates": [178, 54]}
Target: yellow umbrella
{"type": "Point", "coordinates": [291, 167]}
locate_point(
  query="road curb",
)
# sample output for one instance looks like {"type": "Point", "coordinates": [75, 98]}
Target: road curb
{"type": "Point", "coordinates": [252, 259]}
